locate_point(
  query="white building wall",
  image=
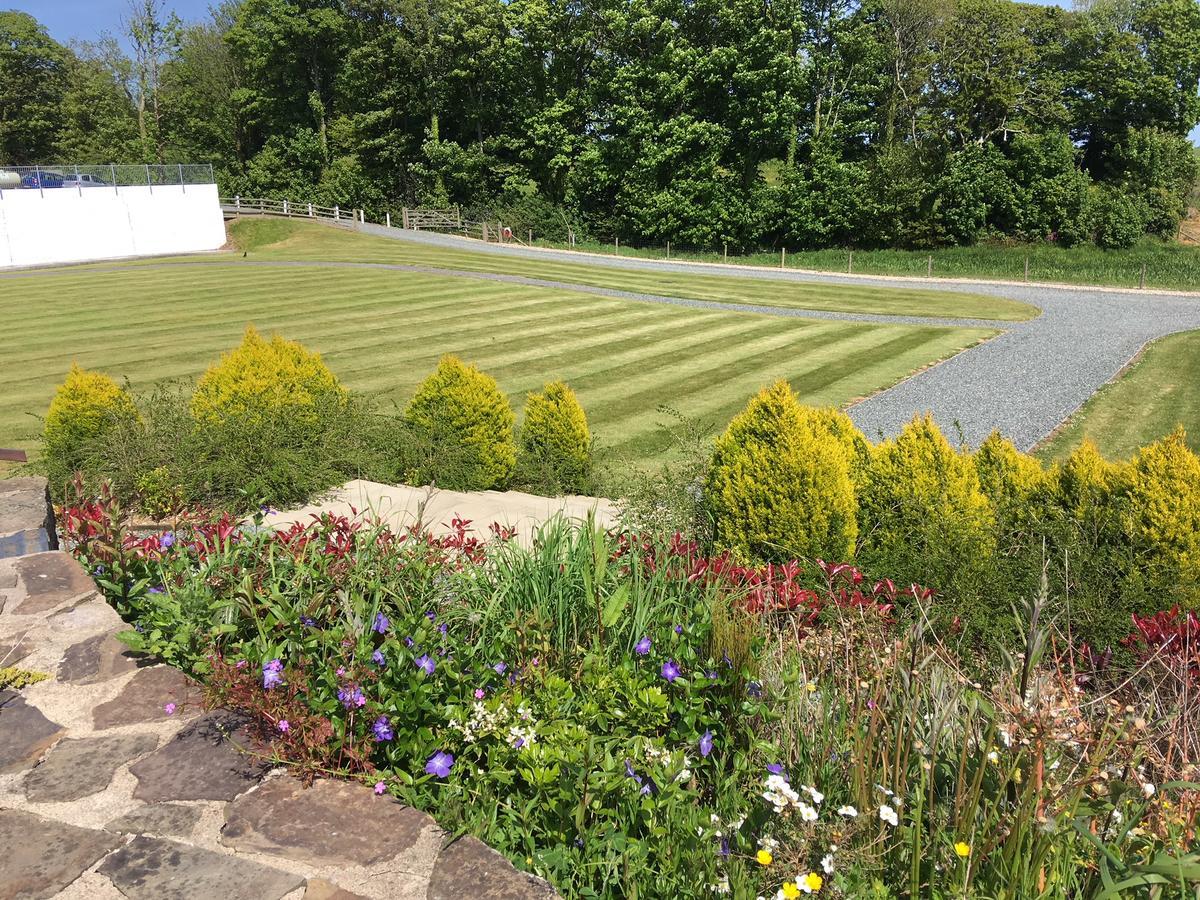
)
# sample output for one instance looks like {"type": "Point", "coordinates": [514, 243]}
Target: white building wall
{"type": "Point", "coordinates": [59, 225]}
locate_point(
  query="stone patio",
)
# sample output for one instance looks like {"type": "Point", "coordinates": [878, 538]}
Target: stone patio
{"type": "Point", "coordinates": [104, 795]}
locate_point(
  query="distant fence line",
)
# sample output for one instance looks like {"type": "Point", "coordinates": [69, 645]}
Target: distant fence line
{"type": "Point", "coordinates": [414, 218]}
{"type": "Point", "coordinates": [109, 175]}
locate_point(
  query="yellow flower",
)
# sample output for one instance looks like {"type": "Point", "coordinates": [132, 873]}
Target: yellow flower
{"type": "Point", "coordinates": [813, 881]}
{"type": "Point", "coordinates": [962, 849]}
{"type": "Point", "coordinates": [764, 857]}
{"type": "Point", "coordinates": [812, 688]}
{"type": "Point", "coordinates": [1017, 775]}
{"type": "Point", "coordinates": [790, 891]}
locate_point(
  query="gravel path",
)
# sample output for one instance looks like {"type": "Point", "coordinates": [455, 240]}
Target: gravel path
{"type": "Point", "coordinates": [1025, 382]}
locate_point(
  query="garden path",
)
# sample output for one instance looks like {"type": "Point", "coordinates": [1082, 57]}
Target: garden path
{"type": "Point", "coordinates": [116, 782]}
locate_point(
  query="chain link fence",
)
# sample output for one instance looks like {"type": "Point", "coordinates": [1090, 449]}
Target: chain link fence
{"type": "Point", "coordinates": [102, 176]}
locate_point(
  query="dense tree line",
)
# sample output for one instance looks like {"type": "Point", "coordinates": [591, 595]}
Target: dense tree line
{"type": "Point", "coordinates": [802, 123]}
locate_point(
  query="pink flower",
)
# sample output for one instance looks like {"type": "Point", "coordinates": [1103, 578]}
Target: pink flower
{"type": "Point", "coordinates": [341, 671]}
{"type": "Point", "coordinates": [380, 787]}
{"type": "Point", "coordinates": [478, 693]}
{"type": "Point", "coordinates": [241, 664]}
{"type": "Point", "coordinates": [169, 709]}
{"type": "Point", "coordinates": [284, 726]}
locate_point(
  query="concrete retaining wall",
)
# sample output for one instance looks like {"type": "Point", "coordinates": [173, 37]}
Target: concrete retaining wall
{"type": "Point", "coordinates": [60, 225]}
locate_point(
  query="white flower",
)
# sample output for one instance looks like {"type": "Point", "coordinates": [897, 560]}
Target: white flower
{"type": "Point", "coordinates": [1005, 737]}
{"type": "Point", "coordinates": [816, 795]}
{"type": "Point", "coordinates": [887, 814]}
{"type": "Point", "coordinates": [993, 756]}
{"type": "Point", "coordinates": [827, 864]}
{"type": "Point", "coordinates": [1147, 790]}
{"type": "Point", "coordinates": [780, 794]}
{"type": "Point", "coordinates": [721, 887]}
{"type": "Point", "coordinates": [848, 811]}
{"type": "Point", "coordinates": [769, 844]}
{"type": "Point", "coordinates": [807, 813]}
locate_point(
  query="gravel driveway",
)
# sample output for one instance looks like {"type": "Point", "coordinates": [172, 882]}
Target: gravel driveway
{"type": "Point", "coordinates": [1025, 382]}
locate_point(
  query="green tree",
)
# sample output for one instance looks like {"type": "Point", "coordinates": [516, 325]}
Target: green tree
{"type": "Point", "coordinates": [33, 75]}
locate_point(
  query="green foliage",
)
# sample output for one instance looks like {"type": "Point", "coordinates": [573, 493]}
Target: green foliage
{"type": "Point", "coordinates": [461, 406]}
{"type": "Point", "coordinates": [87, 407]}
{"type": "Point", "coordinates": [262, 380]}
{"type": "Point", "coordinates": [779, 485]}
{"type": "Point", "coordinates": [556, 445]}
{"type": "Point", "coordinates": [924, 518]}
{"type": "Point", "coordinates": [1118, 220]}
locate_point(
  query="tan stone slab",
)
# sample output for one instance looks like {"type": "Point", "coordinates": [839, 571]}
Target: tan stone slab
{"type": "Point", "coordinates": [332, 823]}
{"type": "Point", "coordinates": [155, 869]}
{"type": "Point", "coordinates": [48, 581]}
{"type": "Point", "coordinates": [401, 506]}
{"type": "Point", "coordinates": [80, 768]}
{"type": "Point", "coordinates": [206, 761]}
{"type": "Point", "coordinates": [145, 697]}
{"type": "Point", "coordinates": [25, 733]}
{"type": "Point", "coordinates": [41, 856]}
{"type": "Point", "coordinates": [320, 889]}
{"type": "Point", "coordinates": [469, 868]}
{"type": "Point", "coordinates": [168, 819]}
{"type": "Point", "coordinates": [97, 659]}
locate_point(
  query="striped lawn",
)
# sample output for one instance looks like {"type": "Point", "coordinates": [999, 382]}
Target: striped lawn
{"type": "Point", "coordinates": [382, 332]}
{"type": "Point", "coordinates": [293, 239]}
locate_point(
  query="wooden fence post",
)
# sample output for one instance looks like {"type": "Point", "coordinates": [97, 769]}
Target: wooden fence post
{"type": "Point", "coordinates": [850, 264]}
{"type": "Point", "coordinates": [617, 245]}
{"type": "Point", "coordinates": [1027, 270]}
{"type": "Point", "coordinates": [1142, 283]}
{"type": "Point", "coordinates": [929, 267]}
{"type": "Point", "coordinates": [404, 217]}
{"type": "Point", "coordinates": [725, 253]}
{"type": "Point", "coordinates": [336, 213]}
{"type": "Point", "coordinates": [782, 257]}
{"type": "Point", "coordinates": [531, 236]}
{"type": "Point", "coordinates": [668, 249]}
{"type": "Point", "coordinates": [310, 215]}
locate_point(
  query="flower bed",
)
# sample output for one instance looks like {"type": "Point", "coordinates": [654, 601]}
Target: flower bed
{"type": "Point", "coordinates": [628, 717]}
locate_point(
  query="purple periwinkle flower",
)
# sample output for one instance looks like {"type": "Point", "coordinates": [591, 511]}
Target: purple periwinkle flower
{"type": "Point", "coordinates": [381, 623]}
{"type": "Point", "coordinates": [679, 629]}
{"type": "Point", "coordinates": [724, 846]}
{"type": "Point", "coordinates": [166, 541]}
{"type": "Point", "coordinates": [777, 769]}
{"type": "Point", "coordinates": [706, 743]}
{"type": "Point", "coordinates": [518, 743]}
{"type": "Point", "coordinates": [440, 764]}
{"type": "Point", "coordinates": [377, 658]}
{"type": "Point", "coordinates": [352, 696]}
{"type": "Point", "coordinates": [754, 689]}
{"type": "Point", "coordinates": [430, 615]}
{"type": "Point", "coordinates": [443, 628]}
{"type": "Point", "coordinates": [642, 647]}
{"type": "Point", "coordinates": [725, 659]}
{"type": "Point", "coordinates": [408, 642]}
{"type": "Point", "coordinates": [712, 674]}
{"type": "Point", "coordinates": [272, 674]}
{"type": "Point", "coordinates": [382, 729]}
{"type": "Point", "coordinates": [500, 667]}
{"type": "Point", "coordinates": [309, 621]}
{"type": "Point", "coordinates": [426, 664]}
{"type": "Point", "coordinates": [670, 671]}
{"type": "Point", "coordinates": [156, 590]}
{"type": "Point", "coordinates": [629, 771]}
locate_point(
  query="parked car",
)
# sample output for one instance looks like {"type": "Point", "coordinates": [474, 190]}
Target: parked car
{"type": "Point", "coordinates": [42, 180]}
{"type": "Point", "coordinates": [83, 180]}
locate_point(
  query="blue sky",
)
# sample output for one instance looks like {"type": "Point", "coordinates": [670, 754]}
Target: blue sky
{"type": "Point", "coordinates": [85, 19]}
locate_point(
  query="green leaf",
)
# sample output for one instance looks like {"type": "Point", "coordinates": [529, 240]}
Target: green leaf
{"type": "Point", "coordinates": [615, 606]}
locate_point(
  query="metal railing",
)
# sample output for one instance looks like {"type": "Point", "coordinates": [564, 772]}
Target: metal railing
{"type": "Point", "coordinates": [101, 176]}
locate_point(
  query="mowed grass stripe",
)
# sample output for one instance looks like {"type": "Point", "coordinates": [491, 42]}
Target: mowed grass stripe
{"type": "Point", "coordinates": [382, 331]}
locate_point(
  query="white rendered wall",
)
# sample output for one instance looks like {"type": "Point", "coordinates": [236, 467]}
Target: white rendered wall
{"type": "Point", "coordinates": [57, 225]}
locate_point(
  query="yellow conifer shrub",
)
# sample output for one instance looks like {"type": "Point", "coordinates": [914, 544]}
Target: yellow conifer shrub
{"type": "Point", "coordinates": [260, 378]}
{"type": "Point", "coordinates": [1161, 487]}
{"type": "Point", "coordinates": [465, 407]}
{"type": "Point", "coordinates": [85, 406]}
{"type": "Point", "coordinates": [779, 485]}
{"type": "Point", "coordinates": [923, 516]}
{"type": "Point", "coordinates": [840, 426]}
{"type": "Point", "coordinates": [1013, 481]}
{"type": "Point", "coordinates": [555, 439]}
{"type": "Point", "coordinates": [1084, 486]}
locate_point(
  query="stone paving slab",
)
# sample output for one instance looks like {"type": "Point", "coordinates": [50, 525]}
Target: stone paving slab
{"type": "Point", "coordinates": [145, 697]}
{"type": "Point", "coordinates": [97, 659]}
{"type": "Point", "coordinates": [26, 519]}
{"type": "Point", "coordinates": [80, 767]}
{"type": "Point", "coordinates": [205, 761]}
{"type": "Point", "coordinates": [170, 819]}
{"type": "Point", "coordinates": [334, 823]}
{"type": "Point", "coordinates": [25, 734]}
{"type": "Point", "coordinates": [155, 869]}
{"type": "Point", "coordinates": [470, 868]}
{"type": "Point", "coordinates": [48, 581]}
{"type": "Point", "coordinates": [41, 856]}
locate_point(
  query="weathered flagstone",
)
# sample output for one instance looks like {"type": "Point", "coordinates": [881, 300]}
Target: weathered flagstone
{"type": "Point", "coordinates": [320, 889]}
{"type": "Point", "coordinates": [41, 857]}
{"type": "Point", "coordinates": [173, 819]}
{"type": "Point", "coordinates": [24, 733]}
{"type": "Point", "coordinates": [79, 768]}
{"type": "Point", "coordinates": [332, 823]}
{"type": "Point", "coordinates": [15, 649]}
{"type": "Point", "coordinates": [50, 580]}
{"type": "Point", "coordinates": [469, 868]}
{"type": "Point", "coordinates": [145, 696]}
{"type": "Point", "coordinates": [97, 659]}
{"type": "Point", "coordinates": [155, 869]}
{"type": "Point", "coordinates": [205, 761]}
